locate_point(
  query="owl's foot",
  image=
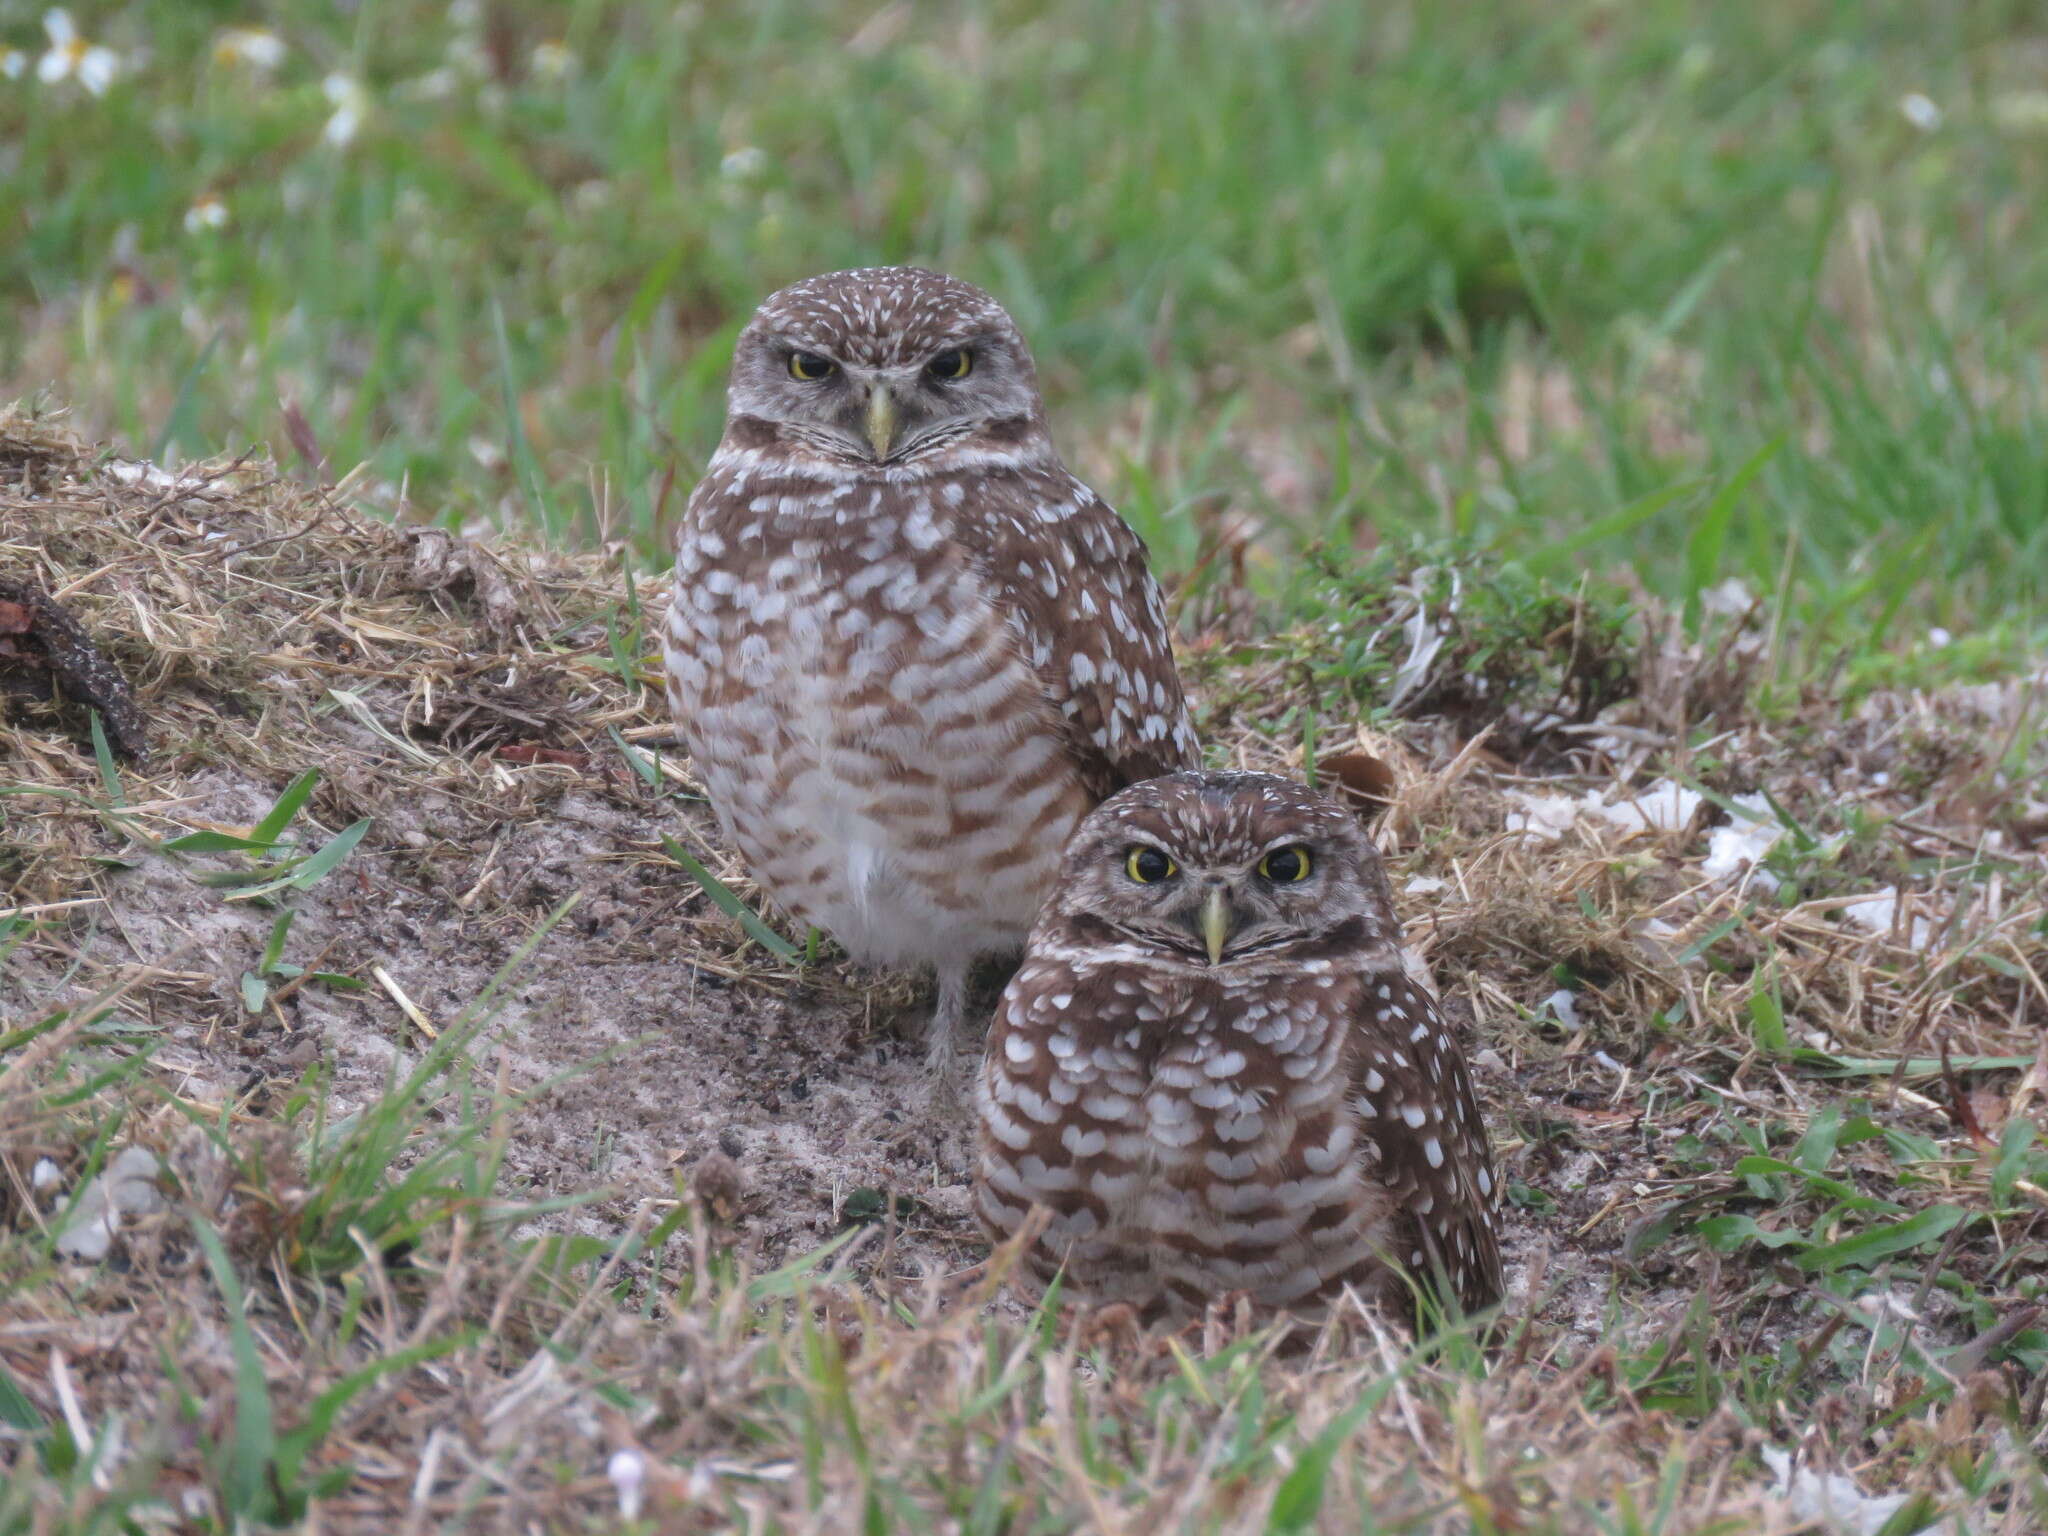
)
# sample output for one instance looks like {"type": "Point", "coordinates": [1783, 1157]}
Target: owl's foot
{"type": "Point", "coordinates": [1227, 1320]}
{"type": "Point", "coordinates": [949, 1021]}
{"type": "Point", "coordinates": [1117, 1326]}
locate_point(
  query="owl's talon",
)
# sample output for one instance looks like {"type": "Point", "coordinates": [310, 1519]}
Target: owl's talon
{"type": "Point", "coordinates": [1117, 1326]}
{"type": "Point", "coordinates": [1228, 1319]}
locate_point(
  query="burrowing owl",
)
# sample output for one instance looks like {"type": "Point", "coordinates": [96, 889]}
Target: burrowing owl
{"type": "Point", "coordinates": [1214, 1072]}
{"type": "Point", "coordinates": [907, 649]}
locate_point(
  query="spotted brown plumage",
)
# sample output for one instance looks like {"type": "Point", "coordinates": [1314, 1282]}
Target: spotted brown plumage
{"type": "Point", "coordinates": [1214, 1074]}
{"type": "Point", "coordinates": [907, 649]}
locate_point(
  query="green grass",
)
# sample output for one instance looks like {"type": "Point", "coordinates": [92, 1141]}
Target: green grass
{"type": "Point", "coordinates": [1674, 288]}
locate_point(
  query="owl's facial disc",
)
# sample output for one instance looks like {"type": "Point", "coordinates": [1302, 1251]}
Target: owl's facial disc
{"type": "Point", "coordinates": [887, 413]}
{"type": "Point", "coordinates": [1218, 909]}
{"type": "Point", "coordinates": [1218, 869]}
{"type": "Point", "coordinates": [886, 366]}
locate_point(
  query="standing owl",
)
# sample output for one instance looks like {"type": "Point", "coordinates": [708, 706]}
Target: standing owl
{"type": "Point", "coordinates": [1215, 1074]}
{"type": "Point", "coordinates": [907, 649]}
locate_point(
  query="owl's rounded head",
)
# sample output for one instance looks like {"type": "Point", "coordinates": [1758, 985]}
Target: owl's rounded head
{"type": "Point", "coordinates": [1223, 869]}
{"type": "Point", "coordinates": [884, 366]}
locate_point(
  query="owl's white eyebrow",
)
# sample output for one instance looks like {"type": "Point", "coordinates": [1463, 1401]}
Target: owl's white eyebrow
{"type": "Point", "coordinates": [1286, 840]}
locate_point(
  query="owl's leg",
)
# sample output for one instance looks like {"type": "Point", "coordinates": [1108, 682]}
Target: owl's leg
{"type": "Point", "coordinates": [949, 1021]}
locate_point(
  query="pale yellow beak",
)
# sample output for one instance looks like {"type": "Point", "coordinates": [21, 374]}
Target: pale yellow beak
{"type": "Point", "coordinates": [882, 421]}
{"type": "Point", "coordinates": [1215, 921]}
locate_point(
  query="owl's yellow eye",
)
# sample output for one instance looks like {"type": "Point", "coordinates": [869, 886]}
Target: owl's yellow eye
{"type": "Point", "coordinates": [810, 367]}
{"type": "Point", "coordinates": [1286, 866]}
{"type": "Point", "coordinates": [953, 363]}
{"type": "Point", "coordinates": [1148, 866]}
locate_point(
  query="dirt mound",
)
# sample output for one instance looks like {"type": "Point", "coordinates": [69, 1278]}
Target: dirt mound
{"type": "Point", "coordinates": [488, 713]}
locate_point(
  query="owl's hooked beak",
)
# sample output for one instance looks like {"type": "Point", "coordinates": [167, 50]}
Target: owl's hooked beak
{"type": "Point", "coordinates": [1214, 920]}
{"type": "Point", "coordinates": [883, 420]}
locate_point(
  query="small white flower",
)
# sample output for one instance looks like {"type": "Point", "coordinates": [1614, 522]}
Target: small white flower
{"type": "Point", "coordinates": [743, 164]}
{"type": "Point", "coordinates": [351, 102]}
{"type": "Point", "coordinates": [97, 68]}
{"type": "Point", "coordinates": [72, 57]}
{"type": "Point", "coordinates": [13, 63]}
{"type": "Point", "coordinates": [207, 213]}
{"type": "Point", "coordinates": [249, 47]}
{"type": "Point", "coordinates": [628, 1472]}
{"type": "Point", "coordinates": [1939, 638]}
{"type": "Point", "coordinates": [1920, 111]}
{"type": "Point", "coordinates": [552, 60]}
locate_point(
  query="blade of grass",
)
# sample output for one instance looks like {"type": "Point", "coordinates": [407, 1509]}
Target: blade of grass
{"type": "Point", "coordinates": [1300, 1496]}
{"type": "Point", "coordinates": [313, 869]}
{"type": "Point", "coordinates": [180, 422]}
{"type": "Point", "coordinates": [16, 1409]}
{"type": "Point", "coordinates": [255, 1441]}
{"type": "Point", "coordinates": [1709, 535]}
{"type": "Point", "coordinates": [1866, 1248]}
{"type": "Point", "coordinates": [642, 765]}
{"type": "Point", "coordinates": [515, 427]}
{"type": "Point", "coordinates": [729, 904]}
{"type": "Point", "coordinates": [279, 816]}
{"type": "Point", "coordinates": [103, 755]}
{"type": "Point", "coordinates": [274, 950]}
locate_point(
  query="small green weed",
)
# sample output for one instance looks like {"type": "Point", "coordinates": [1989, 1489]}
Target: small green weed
{"type": "Point", "coordinates": [272, 968]}
{"type": "Point", "coordinates": [274, 864]}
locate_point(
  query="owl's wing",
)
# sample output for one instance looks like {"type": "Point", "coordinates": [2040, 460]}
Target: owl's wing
{"type": "Point", "coordinates": [1415, 1096]}
{"type": "Point", "coordinates": [1092, 622]}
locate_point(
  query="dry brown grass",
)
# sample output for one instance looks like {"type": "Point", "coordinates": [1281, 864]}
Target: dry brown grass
{"type": "Point", "coordinates": [569, 1229]}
